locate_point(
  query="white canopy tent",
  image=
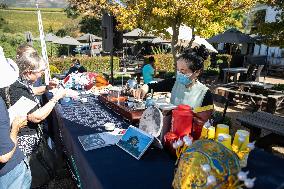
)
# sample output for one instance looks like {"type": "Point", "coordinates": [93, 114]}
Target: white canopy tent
{"type": "Point", "coordinates": [185, 35]}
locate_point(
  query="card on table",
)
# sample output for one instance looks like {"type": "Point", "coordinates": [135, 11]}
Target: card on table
{"type": "Point", "coordinates": [135, 142]}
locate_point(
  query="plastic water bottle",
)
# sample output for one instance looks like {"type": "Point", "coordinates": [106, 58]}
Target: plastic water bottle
{"type": "Point", "coordinates": [149, 102]}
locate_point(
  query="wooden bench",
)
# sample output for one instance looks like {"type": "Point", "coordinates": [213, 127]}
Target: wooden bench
{"type": "Point", "coordinates": [272, 102]}
{"type": "Point", "coordinates": [262, 120]}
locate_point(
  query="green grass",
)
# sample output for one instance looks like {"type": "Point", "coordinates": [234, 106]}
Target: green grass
{"type": "Point", "coordinates": [20, 22]}
{"type": "Point", "coordinates": [34, 9]}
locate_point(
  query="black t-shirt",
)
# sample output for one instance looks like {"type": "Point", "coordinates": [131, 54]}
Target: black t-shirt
{"type": "Point", "coordinates": [16, 91]}
{"type": "Point", "coordinates": [75, 68]}
{"type": "Point", "coordinates": [167, 85]}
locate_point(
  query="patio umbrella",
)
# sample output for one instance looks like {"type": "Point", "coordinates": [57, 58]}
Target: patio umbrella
{"type": "Point", "coordinates": [50, 37]}
{"type": "Point", "coordinates": [160, 40]}
{"type": "Point", "coordinates": [125, 41]}
{"type": "Point", "coordinates": [88, 38]}
{"type": "Point", "coordinates": [144, 40]}
{"type": "Point", "coordinates": [137, 33]}
{"type": "Point", "coordinates": [185, 32]}
{"type": "Point", "coordinates": [185, 35]}
{"type": "Point", "coordinates": [67, 41]}
{"type": "Point", "coordinates": [201, 41]}
{"type": "Point", "coordinates": [231, 36]}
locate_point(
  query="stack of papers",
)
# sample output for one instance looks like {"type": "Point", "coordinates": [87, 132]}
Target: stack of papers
{"type": "Point", "coordinates": [21, 108]}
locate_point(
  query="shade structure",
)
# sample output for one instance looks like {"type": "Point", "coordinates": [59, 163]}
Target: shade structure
{"type": "Point", "coordinates": [201, 41]}
{"type": "Point", "coordinates": [127, 41]}
{"type": "Point", "coordinates": [50, 37]}
{"type": "Point", "coordinates": [231, 36]}
{"type": "Point", "coordinates": [185, 32]}
{"type": "Point", "coordinates": [67, 41]}
{"type": "Point", "coordinates": [137, 33]}
{"type": "Point", "coordinates": [144, 40]}
{"type": "Point", "coordinates": [160, 40]}
{"type": "Point", "coordinates": [87, 38]}
{"type": "Point", "coordinates": [185, 36]}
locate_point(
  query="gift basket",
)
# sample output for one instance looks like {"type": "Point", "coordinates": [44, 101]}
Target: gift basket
{"type": "Point", "coordinates": [212, 161]}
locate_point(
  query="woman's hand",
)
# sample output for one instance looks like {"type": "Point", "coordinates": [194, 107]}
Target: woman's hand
{"type": "Point", "coordinates": [19, 122]}
{"type": "Point", "coordinates": [33, 118]}
{"type": "Point", "coordinates": [60, 93]}
{"type": "Point", "coordinates": [52, 84]}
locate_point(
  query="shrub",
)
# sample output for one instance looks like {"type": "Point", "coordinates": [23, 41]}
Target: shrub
{"type": "Point", "coordinates": [223, 58]}
{"type": "Point", "coordinates": [218, 119]}
{"type": "Point", "coordinates": [278, 87]}
{"type": "Point", "coordinates": [211, 71]}
{"type": "Point", "coordinates": [10, 42]}
{"type": "Point", "coordinates": [207, 63]}
{"type": "Point", "coordinates": [53, 70]}
{"type": "Point", "coordinates": [92, 64]}
{"type": "Point", "coordinates": [164, 62]}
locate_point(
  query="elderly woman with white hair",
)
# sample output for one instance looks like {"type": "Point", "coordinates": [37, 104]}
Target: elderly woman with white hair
{"type": "Point", "coordinates": [14, 169]}
{"type": "Point", "coordinates": [31, 67]}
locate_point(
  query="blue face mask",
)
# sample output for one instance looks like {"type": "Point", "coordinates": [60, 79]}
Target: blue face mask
{"type": "Point", "coordinates": [183, 79]}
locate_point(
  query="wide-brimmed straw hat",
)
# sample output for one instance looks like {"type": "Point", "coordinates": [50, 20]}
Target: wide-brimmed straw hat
{"type": "Point", "coordinates": [9, 71]}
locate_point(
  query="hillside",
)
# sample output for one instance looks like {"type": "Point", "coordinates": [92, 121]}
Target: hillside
{"type": "Point", "coordinates": [31, 3]}
{"type": "Point", "coordinates": [22, 20]}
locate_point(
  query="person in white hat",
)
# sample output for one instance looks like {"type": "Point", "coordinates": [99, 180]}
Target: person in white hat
{"type": "Point", "coordinates": [9, 70]}
{"type": "Point", "coordinates": [14, 169]}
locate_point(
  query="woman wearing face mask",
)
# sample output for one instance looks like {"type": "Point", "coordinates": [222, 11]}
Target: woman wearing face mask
{"type": "Point", "coordinates": [185, 88]}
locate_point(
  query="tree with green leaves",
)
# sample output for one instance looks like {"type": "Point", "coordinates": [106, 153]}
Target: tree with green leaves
{"type": "Point", "coordinates": [271, 33]}
{"type": "Point", "coordinates": [206, 17]}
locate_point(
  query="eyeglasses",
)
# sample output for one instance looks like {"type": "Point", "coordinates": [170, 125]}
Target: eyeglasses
{"type": "Point", "coordinates": [39, 70]}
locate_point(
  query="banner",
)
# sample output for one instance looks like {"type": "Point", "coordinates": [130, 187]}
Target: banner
{"type": "Point", "coordinates": [43, 45]}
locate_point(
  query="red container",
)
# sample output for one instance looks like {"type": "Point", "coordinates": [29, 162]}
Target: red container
{"type": "Point", "coordinates": [182, 118]}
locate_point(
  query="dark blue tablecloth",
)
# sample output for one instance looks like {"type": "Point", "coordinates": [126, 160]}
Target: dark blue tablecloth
{"type": "Point", "coordinates": [112, 168]}
{"type": "Point", "coordinates": [267, 168]}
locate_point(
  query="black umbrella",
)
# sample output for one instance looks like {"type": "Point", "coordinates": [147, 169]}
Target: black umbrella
{"type": "Point", "coordinates": [137, 34]}
{"type": "Point", "coordinates": [231, 36]}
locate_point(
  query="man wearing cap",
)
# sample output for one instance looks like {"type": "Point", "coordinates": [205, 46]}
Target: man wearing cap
{"type": "Point", "coordinates": [14, 169]}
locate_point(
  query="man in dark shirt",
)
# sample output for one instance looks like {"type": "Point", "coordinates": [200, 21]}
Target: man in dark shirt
{"type": "Point", "coordinates": [77, 67]}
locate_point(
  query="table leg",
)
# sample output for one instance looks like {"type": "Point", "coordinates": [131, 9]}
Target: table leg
{"type": "Point", "coordinates": [271, 105]}
{"type": "Point", "coordinates": [225, 77]}
{"type": "Point", "coordinates": [254, 133]}
{"type": "Point", "coordinates": [235, 77]}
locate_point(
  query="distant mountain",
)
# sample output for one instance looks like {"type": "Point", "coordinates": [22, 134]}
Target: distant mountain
{"type": "Point", "coordinates": [31, 3]}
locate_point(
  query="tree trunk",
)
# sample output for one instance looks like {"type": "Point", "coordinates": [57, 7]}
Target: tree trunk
{"type": "Point", "coordinates": [192, 38]}
{"type": "Point", "coordinates": [174, 43]}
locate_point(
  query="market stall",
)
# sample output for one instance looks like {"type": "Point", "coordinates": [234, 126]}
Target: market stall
{"type": "Point", "coordinates": [111, 167]}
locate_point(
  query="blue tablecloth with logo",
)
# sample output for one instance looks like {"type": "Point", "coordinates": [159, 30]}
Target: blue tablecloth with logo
{"type": "Point", "coordinates": [112, 168]}
{"type": "Point", "coordinates": [109, 167]}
